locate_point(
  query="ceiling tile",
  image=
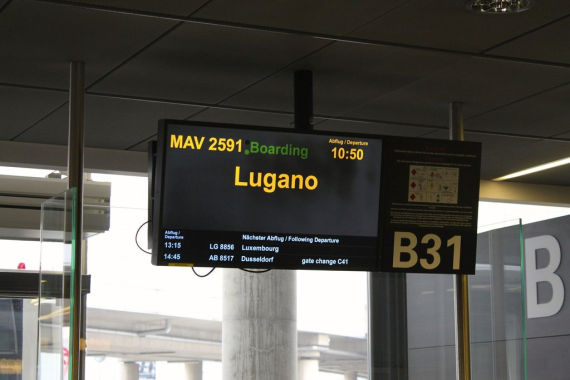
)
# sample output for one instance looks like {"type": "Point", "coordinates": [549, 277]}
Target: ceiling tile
{"type": "Point", "coordinates": [565, 135]}
{"type": "Point", "coordinates": [170, 7]}
{"type": "Point", "coordinates": [262, 119]}
{"type": "Point", "coordinates": [21, 107]}
{"type": "Point", "coordinates": [503, 155]}
{"type": "Point", "coordinates": [543, 115]}
{"type": "Point", "coordinates": [40, 39]}
{"type": "Point", "coordinates": [405, 106]}
{"type": "Point", "coordinates": [321, 16]}
{"type": "Point", "coordinates": [481, 84]}
{"type": "Point", "coordinates": [226, 116]}
{"type": "Point", "coordinates": [206, 63]}
{"type": "Point", "coordinates": [448, 25]}
{"type": "Point", "coordinates": [549, 44]}
{"type": "Point", "coordinates": [370, 128]}
{"type": "Point", "coordinates": [345, 76]}
{"type": "Point", "coordinates": [109, 123]}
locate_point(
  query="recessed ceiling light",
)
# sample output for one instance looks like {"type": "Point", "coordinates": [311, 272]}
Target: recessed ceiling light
{"type": "Point", "coordinates": [534, 169]}
{"type": "Point", "coordinates": [498, 6]}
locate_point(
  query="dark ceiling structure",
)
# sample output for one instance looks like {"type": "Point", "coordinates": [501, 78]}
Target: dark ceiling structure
{"type": "Point", "coordinates": [386, 67]}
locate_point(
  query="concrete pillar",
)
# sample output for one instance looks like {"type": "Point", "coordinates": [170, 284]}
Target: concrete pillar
{"type": "Point", "coordinates": [259, 325]}
{"type": "Point", "coordinates": [130, 371]}
{"type": "Point", "coordinates": [352, 375]}
{"type": "Point", "coordinates": [193, 371]}
{"type": "Point", "coordinates": [308, 369]}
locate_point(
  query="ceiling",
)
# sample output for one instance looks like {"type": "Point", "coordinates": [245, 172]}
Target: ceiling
{"type": "Point", "coordinates": [384, 67]}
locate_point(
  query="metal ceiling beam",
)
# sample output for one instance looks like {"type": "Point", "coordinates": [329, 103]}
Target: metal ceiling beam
{"type": "Point", "coordinates": [516, 192]}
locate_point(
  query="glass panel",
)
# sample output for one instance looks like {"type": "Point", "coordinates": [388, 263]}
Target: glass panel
{"type": "Point", "coordinates": [18, 338]}
{"type": "Point", "coordinates": [496, 313]}
{"type": "Point", "coordinates": [165, 321]}
{"type": "Point", "coordinates": [497, 305]}
{"type": "Point", "coordinates": [54, 305]}
{"type": "Point", "coordinates": [160, 319]}
{"type": "Point", "coordinates": [431, 327]}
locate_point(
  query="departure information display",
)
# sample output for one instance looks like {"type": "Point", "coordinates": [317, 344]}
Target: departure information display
{"type": "Point", "coordinates": [230, 196]}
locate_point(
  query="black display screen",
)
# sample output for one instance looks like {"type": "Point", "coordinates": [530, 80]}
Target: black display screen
{"type": "Point", "coordinates": [233, 196]}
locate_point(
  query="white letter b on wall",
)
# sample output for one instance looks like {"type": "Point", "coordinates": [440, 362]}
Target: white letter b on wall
{"type": "Point", "coordinates": [546, 274]}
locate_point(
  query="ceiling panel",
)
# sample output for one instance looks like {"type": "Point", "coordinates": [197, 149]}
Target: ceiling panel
{"type": "Point", "coordinates": [170, 7]}
{"type": "Point", "coordinates": [405, 106]}
{"type": "Point", "coordinates": [263, 119]}
{"type": "Point", "coordinates": [253, 69]}
{"type": "Point", "coordinates": [370, 128]}
{"type": "Point", "coordinates": [550, 44]}
{"type": "Point", "coordinates": [345, 76]}
{"type": "Point", "coordinates": [543, 115]}
{"type": "Point", "coordinates": [39, 40]}
{"type": "Point", "coordinates": [321, 16]}
{"type": "Point", "coordinates": [109, 123]}
{"type": "Point", "coordinates": [448, 25]}
{"type": "Point", "coordinates": [565, 135]}
{"type": "Point", "coordinates": [20, 108]}
{"type": "Point", "coordinates": [481, 84]}
{"type": "Point", "coordinates": [504, 155]}
{"type": "Point", "coordinates": [226, 116]}
{"type": "Point", "coordinates": [206, 63]}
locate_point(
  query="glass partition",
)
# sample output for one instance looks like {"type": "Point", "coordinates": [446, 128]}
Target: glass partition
{"type": "Point", "coordinates": [54, 273]}
{"type": "Point", "coordinates": [497, 317]}
{"type": "Point", "coordinates": [497, 305]}
{"type": "Point", "coordinates": [166, 321]}
{"type": "Point", "coordinates": [160, 321]}
{"type": "Point", "coordinates": [431, 327]}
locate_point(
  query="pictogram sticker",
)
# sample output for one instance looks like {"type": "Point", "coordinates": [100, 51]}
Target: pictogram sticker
{"type": "Point", "coordinates": [433, 184]}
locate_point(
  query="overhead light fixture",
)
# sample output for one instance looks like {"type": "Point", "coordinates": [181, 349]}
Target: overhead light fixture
{"type": "Point", "coordinates": [534, 169]}
{"type": "Point", "coordinates": [498, 6]}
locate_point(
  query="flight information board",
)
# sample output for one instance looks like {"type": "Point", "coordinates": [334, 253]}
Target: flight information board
{"type": "Point", "coordinates": [230, 196]}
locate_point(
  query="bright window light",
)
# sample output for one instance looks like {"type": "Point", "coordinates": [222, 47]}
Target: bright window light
{"type": "Point", "coordinates": [534, 169]}
{"type": "Point", "coordinates": [25, 172]}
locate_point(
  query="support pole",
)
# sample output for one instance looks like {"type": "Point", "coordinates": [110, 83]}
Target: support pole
{"type": "Point", "coordinates": [351, 375]}
{"type": "Point", "coordinates": [303, 100]}
{"type": "Point", "coordinates": [75, 176]}
{"type": "Point", "coordinates": [130, 371]}
{"type": "Point", "coordinates": [387, 326]}
{"type": "Point", "coordinates": [193, 370]}
{"type": "Point", "coordinates": [462, 339]}
{"type": "Point", "coordinates": [308, 369]}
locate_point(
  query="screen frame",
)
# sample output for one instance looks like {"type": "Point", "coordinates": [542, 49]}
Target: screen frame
{"type": "Point", "coordinates": [158, 179]}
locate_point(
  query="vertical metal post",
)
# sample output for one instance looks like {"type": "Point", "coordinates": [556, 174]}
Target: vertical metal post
{"type": "Point", "coordinates": [303, 100]}
{"type": "Point", "coordinates": [75, 176]}
{"type": "Point", "coordinates": [387, 326]}
{"type": "Point", "coordinates": [462, 338]}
